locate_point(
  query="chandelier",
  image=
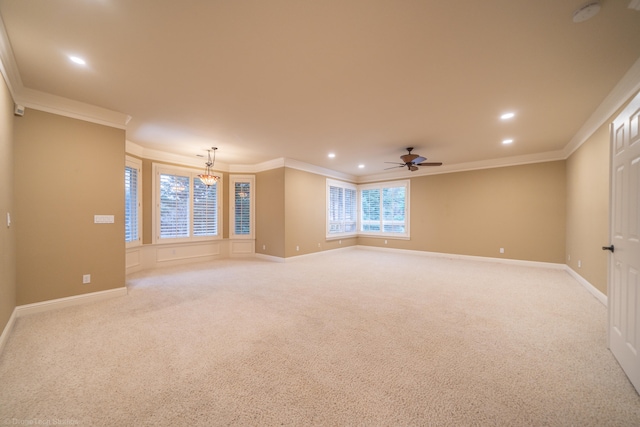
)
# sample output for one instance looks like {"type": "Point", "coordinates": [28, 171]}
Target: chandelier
{"type": "Point", "coordinates": [207, 177]}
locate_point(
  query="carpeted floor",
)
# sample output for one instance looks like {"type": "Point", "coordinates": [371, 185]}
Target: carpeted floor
{"type": "Point", "coordinates": [351, 337]}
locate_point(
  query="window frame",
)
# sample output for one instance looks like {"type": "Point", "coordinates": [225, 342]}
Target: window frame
{"type": "Point", "coordinates": [135, 163]}
{"type": "Point", "coordinates": [345, 186]}
{"type": "Point", "coordinates": [192, 174]}
{"type": "Point", "coordinates": [251, 180]}
{"type": "Point", "coordinates": [406, 184]}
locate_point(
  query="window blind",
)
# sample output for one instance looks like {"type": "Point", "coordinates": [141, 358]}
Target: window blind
{"type": "Point", "coordinates": [130, 204]}
{"type": "Point", "coordinates": [174, 206]}
{"type": "Point", "coordinates": [242, 214]}
{"type": "Point", "coordinates": [205, 209]}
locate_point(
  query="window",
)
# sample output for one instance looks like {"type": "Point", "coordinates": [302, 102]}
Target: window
{"type": "Point", "coordinates": [341, 209]}
{"type": "Point", "coordinates": [132, 206]}
{"type": "Point", "coordinates": [384, 209]}
{"type": "Point", "coordinates": [374, 210]}
{"type": "Point", "coordinates": [186, 209]}
{"type": "Point", "coordinates": [241, 190]}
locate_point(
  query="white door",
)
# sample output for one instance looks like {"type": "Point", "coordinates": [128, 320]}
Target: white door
{"type": "Point", "coordinates": [624, 263]}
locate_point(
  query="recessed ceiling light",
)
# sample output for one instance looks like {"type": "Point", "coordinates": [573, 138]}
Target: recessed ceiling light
{"type": "Point", "coordinates": [507, 116]}
{"type": "Point", "coordinates": [361, 166]}
{"type": "Point", "coordinates": [507, 141]}
{"type": "Point", "coordinates": [78, 60]}
{"type": "Point", "coordinates": [332, 155]}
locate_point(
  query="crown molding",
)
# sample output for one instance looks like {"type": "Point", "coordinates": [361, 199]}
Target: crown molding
{"type": "Point", "coordinates": [259, 167]}
{"type": "Point", "coordinates": [47, 102]}
{"type": "Point", "coordinates": [548, 156]}
{"type": "Point", "coordinates": [166, 157]}
{"type": "Point", "coordinates": [306, 167]}
{"type": "Point", "coordinates": [69, 108]}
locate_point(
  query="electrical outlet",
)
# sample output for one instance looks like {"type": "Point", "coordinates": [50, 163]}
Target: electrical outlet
{"type": "Point", "coordinates": [501, 250]}
{"type": "Point", "coordinates": [579, 264]}
{"type": "Point", "coordinates": [385, 242]}
{"type": "Point", "coordinates": [339, 242]}
{"type": "Point", "coordinates": [86, 279]}
{"type": "Point", "coordinates": [319, 245]}
{"type": "Point", "coordinates": [264, 247]}
{"type": "Point", "coordinates": [297, 248]}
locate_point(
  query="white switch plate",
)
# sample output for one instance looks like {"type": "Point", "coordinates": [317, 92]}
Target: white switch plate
{"type": "Point", "coordinates": [8, 219]}
{"type": "Point", "coordinates": [86, 278]}
{"type": "Point", "coordinates": [103, 219]}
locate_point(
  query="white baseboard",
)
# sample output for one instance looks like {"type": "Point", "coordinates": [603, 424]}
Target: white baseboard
{"type": "Point", "coordinates": [467, 257]}
{"type": "Point", "coordinates": [39, 307]}
{"type": "Point", "coordinates": [584, 282]}
{"type": "Point", "coordinates": [269, 257]}
{"type": "Point", "coordinates": [7, 330]}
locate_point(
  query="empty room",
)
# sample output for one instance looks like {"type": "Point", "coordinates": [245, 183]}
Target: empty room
{"type": "Point", "coordinates": [413, 212]}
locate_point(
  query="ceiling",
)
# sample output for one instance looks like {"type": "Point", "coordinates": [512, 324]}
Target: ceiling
{"type": "Point", "coordinates": [296, 79]}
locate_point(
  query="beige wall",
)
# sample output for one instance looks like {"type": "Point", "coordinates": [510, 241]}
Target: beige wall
{"type": "Point", "coordinates": [588, 208]}
{"type": "Point", "coordinates": [518, 208]}
{"type": "Point", "coordinates": [67, 171]}
{"type": "Point", "coordinates": [270, 212]}
{"type": "Point", "coordinates": [7, 234]}
{"type": "Point", "coordinates": [305, 211]}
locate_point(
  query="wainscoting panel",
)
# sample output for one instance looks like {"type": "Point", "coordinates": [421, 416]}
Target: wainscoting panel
{"type": "Point", "coordinates": [242, 247]}
{"type": "Point", "coordinates": [156, 255]}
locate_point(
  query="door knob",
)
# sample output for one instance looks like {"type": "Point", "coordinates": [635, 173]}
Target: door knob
{"type": "Point", "coordinates": [608, 248]}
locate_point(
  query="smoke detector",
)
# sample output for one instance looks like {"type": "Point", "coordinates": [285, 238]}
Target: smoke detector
{"type": "Point", "coordinates": [586, 11]}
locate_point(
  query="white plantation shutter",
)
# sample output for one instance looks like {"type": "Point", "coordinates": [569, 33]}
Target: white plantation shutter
{"type": "Point", "coordinates": [341, 209]}
{"type": "Point", "coordinates": [350, 210]}
{"type": "Point", "coordinates": [370, 210]}
{"type": "Point", "coordinates": [185, 208]}
{"type": "Point", "coordinates": [205, 209]}
{"type": "Point", "coordinates": [242, 199]}
{"type": "Point", "coordinates": [393, 217]}
{"type": "Point", "coordinates": [384, 209]}
{"type": "Point", "coordinates": [242, 206]}
{"type": "Point", "coordinates": [174, 206]}
{"type": "Point", "coordinates": [131, 203]}
{"type": "Point", "coordinates": [336, 209]}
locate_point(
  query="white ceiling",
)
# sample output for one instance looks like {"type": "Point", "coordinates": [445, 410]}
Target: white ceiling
{"type": "Point", "coordinates": [298, 79]}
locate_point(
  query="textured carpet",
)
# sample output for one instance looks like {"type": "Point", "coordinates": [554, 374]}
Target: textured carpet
{"type": "Point", "coordinates": [351, 337]}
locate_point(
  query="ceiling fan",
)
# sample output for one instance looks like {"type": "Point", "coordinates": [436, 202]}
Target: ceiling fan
{"type": "Point", "coordinates": [412, 161]}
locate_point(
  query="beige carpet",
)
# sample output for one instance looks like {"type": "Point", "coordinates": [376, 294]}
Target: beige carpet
{"type": "Point", "coordinates": [352, 337]}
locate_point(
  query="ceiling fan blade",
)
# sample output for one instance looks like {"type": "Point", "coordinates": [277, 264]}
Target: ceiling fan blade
{"type": "Point", "coordinates": [419, 159]}
{"type": "Point", "coordinates": [430, 164]}
{"type": "Point", "coordinates": [396, 163]}
{"type": "Point", "coordinates": [408, 158]}
{"type": "Point", "coordinates": [394, 167]}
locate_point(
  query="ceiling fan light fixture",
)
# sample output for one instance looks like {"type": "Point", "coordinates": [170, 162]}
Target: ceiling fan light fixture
{"type": "Point", "coordinates": [207, 177]}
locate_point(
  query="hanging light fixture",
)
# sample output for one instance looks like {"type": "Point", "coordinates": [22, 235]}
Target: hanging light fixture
{"type": "Point", "coordinates": [207, 177]}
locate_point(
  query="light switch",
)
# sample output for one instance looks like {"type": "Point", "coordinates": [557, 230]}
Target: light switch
{"type": "Point", "coordinates": [8, 219]}
{"type": "Point", "coordinates": [103, 219]}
